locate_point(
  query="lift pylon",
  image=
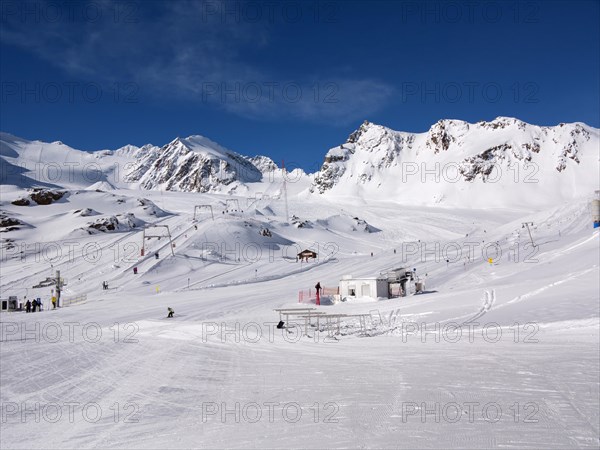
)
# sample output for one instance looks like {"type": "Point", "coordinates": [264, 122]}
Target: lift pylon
{"type": "Point", "coordinates": [148, 235]}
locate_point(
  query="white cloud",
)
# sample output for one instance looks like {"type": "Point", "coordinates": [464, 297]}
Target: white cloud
{"type": "Point", "coordinates": [182, 48]}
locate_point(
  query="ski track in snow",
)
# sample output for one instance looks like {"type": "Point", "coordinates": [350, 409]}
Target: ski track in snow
{"type": "Point", "coordinates": [488, 301]}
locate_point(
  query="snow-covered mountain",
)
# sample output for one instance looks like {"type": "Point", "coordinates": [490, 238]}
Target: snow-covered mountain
{"type": "Point", "coordinates": [193, 164]}
{"type": "Point", "coordinates": [502, 163]}
{"type": "Point", "coordinates": [196, 164]}
{"type": "Point", "coordinates": [497, 163]}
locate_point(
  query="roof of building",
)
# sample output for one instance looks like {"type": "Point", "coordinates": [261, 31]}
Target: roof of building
{"type": "Point", "coordinates": [364, 278]}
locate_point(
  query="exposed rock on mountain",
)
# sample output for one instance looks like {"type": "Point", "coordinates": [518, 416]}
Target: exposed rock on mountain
{"type": "Point", "coordinates": [448, 163]}
{"type": "Point", "coordinates": [119, 222]}
{"type": "Point", "coordinates": [195, 164]}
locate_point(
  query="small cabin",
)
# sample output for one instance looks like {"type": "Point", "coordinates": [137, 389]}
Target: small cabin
{"type": "Point", "coordinates": [306, 254]}
{"type": "Point", "coordinates": [364, 287]}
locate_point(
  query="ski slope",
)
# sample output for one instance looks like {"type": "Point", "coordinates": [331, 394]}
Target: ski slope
{"type": "Point", "coordinates": [491, 355]}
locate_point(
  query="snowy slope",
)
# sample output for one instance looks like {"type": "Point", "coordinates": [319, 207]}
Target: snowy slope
{"type": "Point", "coordinates": [487, 164]}
{"type": "Point", "coordinates": [55, 164]}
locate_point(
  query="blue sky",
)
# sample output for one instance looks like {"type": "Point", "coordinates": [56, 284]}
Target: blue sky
{"type": "Point", "coordinates": [289, 79]}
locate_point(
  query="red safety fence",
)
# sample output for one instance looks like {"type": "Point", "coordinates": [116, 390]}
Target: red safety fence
{"type": "Point", "coordinates": [310, 295]}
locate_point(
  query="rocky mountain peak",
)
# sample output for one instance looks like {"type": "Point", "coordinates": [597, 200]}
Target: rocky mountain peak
{"type": "Point", "coordinates": [195, 164]}
{"type": "Point", "coordinates": [375, 158]}
{"type": "Point", "coordinates": [356, 134]}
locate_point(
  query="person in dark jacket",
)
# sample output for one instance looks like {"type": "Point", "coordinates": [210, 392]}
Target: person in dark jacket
{"type": "Point", "coordinates": [28, 306]}
{"type": "Point", "coordinates": [318, 288]}
{"type": "Point", "coordinates": [171, 312]}
{"type": "Point", "coordinates": [33, 305]}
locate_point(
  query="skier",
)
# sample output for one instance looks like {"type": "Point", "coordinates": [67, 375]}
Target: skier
{"type": "Point", "coordinates": [318, 288]}
{"type": "Point", "coordinates": [156, 255]}
{"type": "Point", "coordinates": [53, 302]}
{"type": "Point", "coordinates": [33, 305]}
{"type": "Point", "coordinates": [28, 306]}
{"type": "Point", "coordinates": [135, 270]}
{"type": "Point", "coordinates": [171, 312]}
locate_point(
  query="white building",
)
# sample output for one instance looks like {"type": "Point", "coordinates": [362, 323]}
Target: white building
{"type": "Point", "coordinates": [364, 287]}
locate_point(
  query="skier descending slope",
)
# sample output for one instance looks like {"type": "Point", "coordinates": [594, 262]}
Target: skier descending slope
{"type": "Point", "coordinates": [171, 312]}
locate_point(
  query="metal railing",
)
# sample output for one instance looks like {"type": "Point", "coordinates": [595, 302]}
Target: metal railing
{"type": "Point", "coordinates": [68, 301]}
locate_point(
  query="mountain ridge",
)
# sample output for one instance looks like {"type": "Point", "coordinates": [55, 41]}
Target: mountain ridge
{"type": "Point", "coordinates": [451, 161]}
{"type": "Point", "coordinates": [446, 162]}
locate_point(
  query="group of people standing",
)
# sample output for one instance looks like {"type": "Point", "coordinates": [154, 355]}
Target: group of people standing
{"type": "Point", "coordinates": [36, 304]}
{"type": "Point", "coordinates": [31, 306]}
